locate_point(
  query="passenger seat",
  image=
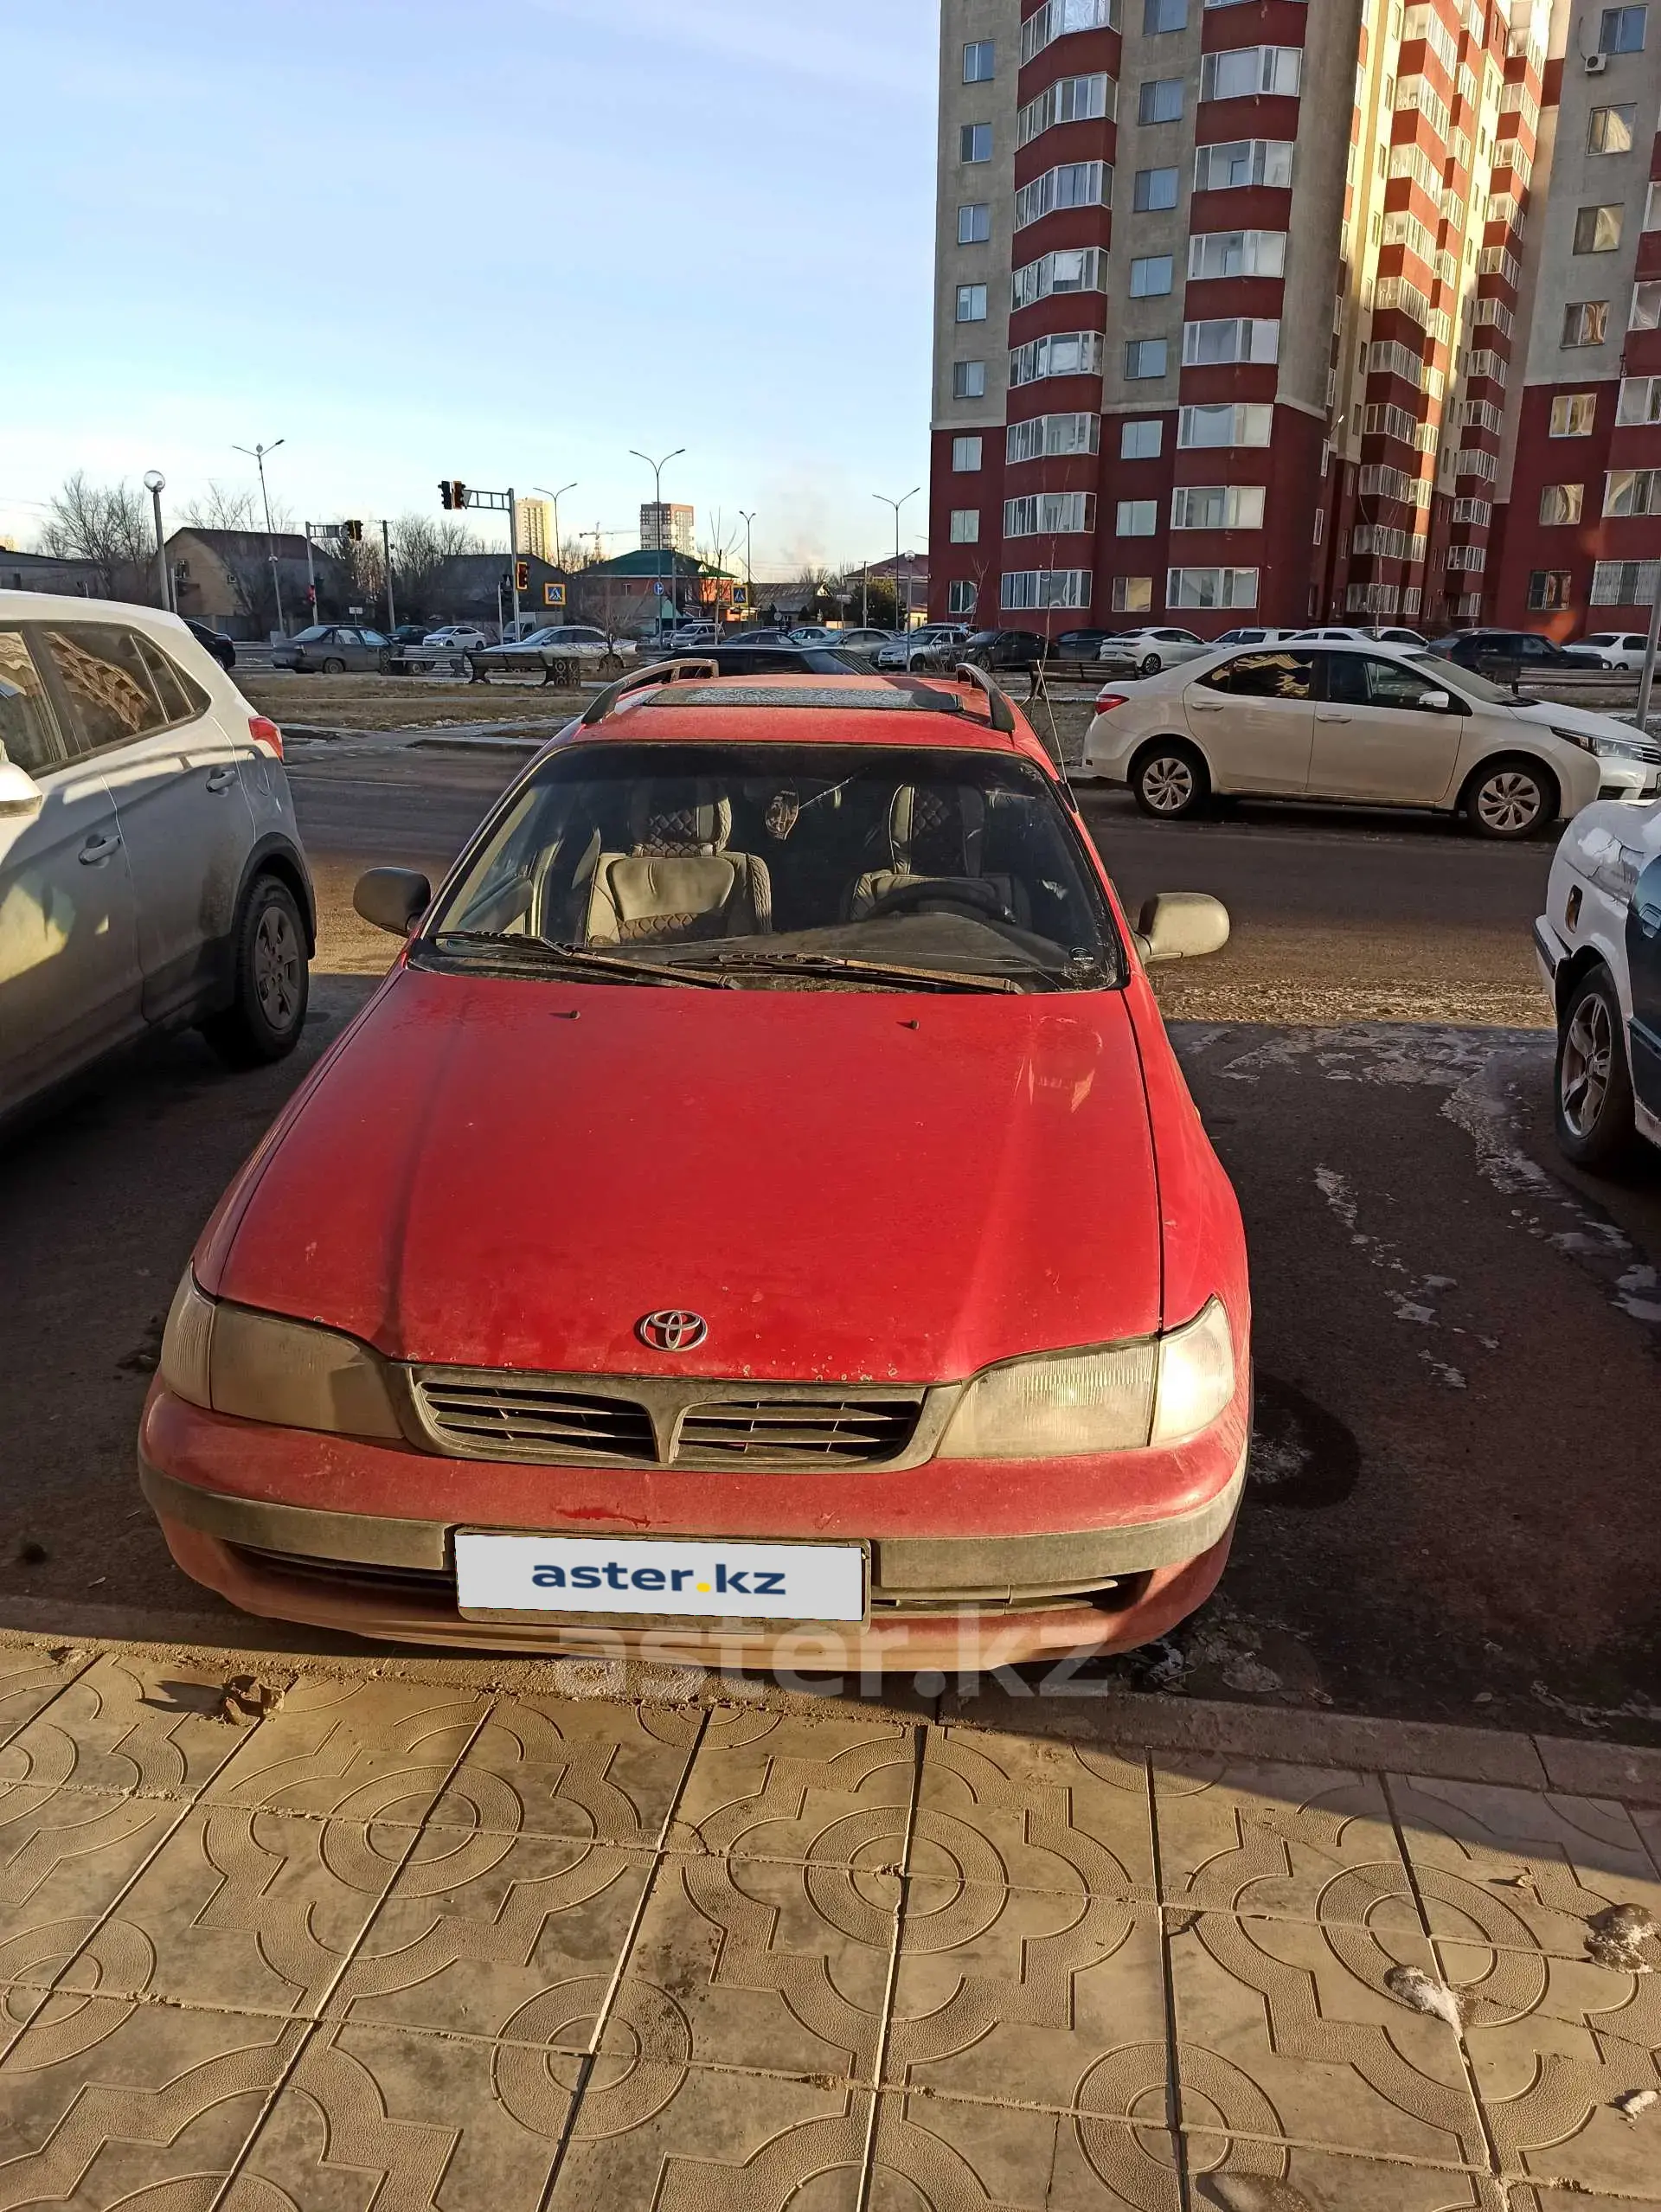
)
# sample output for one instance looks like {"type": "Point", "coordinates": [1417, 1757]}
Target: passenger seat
{"type": "Point", "coordinates": [678, 883]}
{"type": "Point", "coordinates": [937, 832]}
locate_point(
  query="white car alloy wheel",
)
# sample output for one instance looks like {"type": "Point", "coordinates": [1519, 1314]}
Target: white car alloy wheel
{"type": "Point", "coordinates": [1149, 665]}
{"type": "Point", "coordinates": [1509, 800]}
{"type": "Point", "coordinates": [1583, 1068]}
{"type": "Point", "coordinates": [1168, 781]}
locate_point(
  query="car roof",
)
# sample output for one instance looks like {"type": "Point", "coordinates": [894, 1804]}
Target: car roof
{"type": "Point", "coordinates": [832, 710]}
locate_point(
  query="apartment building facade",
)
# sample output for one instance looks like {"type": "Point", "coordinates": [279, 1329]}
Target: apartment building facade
{"type": "Point", "coordinates": [1236, 319]}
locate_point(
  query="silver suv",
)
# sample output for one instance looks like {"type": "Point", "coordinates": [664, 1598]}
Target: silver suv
{"type": "Point", "coordinates": [151, 870]}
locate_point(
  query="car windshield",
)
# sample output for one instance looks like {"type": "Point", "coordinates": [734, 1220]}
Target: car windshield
{"type": "Point", "coordinates": [784, 867]}
{"type": "Point", "coordinates": [311, 637]}
{"type": "Point", "coordinates": [1462, 679]}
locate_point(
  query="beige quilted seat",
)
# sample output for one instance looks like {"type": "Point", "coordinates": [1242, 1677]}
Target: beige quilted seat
{"type": "Point", "coordinates": [937, 833]}
{"type": "Point", "coordinates": [678, 882]}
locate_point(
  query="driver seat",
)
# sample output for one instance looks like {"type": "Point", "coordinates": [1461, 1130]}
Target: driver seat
{"type": "Point", "coordinates": [937, 834]}
{"type": "Point", "coordinates": [678, 882]}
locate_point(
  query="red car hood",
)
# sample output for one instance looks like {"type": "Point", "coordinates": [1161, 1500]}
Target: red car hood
{"type": "Point", "coordinates": [867, 1185]}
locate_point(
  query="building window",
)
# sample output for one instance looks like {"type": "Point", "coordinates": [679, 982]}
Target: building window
{"type": "Point", "coordinates": [1070, 268]}
{"type": "Point", "coordinates": [1151, 275]}
{"type": "Point", "coordinates": [979, 62]}
{"type": "Point", "coordinates": [975, 142]}
{"type": "Point", "coordinates": [971, 303]}
{"type": "Point", "coordinates": [1620, 30]}
{"type": "Point", "coordinates": [1144, 357]}
{"type": "Point", "coordinates": [1561, 502]}
{"type": "Point", "coordinates": [1136, 518]}
{"type": "Point", "coordinates": [974, 223]}
{"type": "Point", "coordinates": [1057, 17]}
{"type": "Point", "coordinates": [1230, 337]}
{"type": "Point", "coordinates": [1609, 131]}
{"type": "Point", "coordinates": [1224, 425]}
{"type": "Point", "coordinates": [1070, 184]}
{"type": "Point", "coordinates": [1069, 99]}
{"type": "Point", "coordinates": [1548, 590]}
{"type": "Point", "coordinates": [1646, 308]}
{"type": "Point", "coordinates": [1639, 401]}
{"type": "Point", "coordinates": [1653, 208]}
{"type": "Point", "coordinates": [1141, 441]}
{"type": "Point", "coordinates": [1237, 254]}
{"type": "Point", "coordinates": [1172, 16]}
{"type": "Point", "coordinates": [1242, 161]}
{"type": "Point", "coordinates": [1244, 71]}
{"type": "Point", "coordinates": [1029, 588]}
{"type": "Point", "coordinates": [960, 596]}
{"type": "Point", "coordinates": [1632, 492]}
{"type": "Point", "coordinates": [965, 455]}
{"type": "Point", "coordinates": [1217, 507]}
{"type": "Point", "coordinates": [1585, 322]}
{"type": "Point", "coordinates": [1625, 583]}
{"type": "Point", "coordinates": [1597, 230]}
{"type": "Point", "coordinates": [965, 526]}
{"type": "Point", "coordinates": [1069, 353]}
{"type": "Point", "coordinates": [1160, 99]}
{"type": "Point", "coordinates": [968, 380]}
{"type": "Point", "coordinates": [1132, 594]}
{"type": "Point", "coordinates": [1205, 588]}
{"type": "Point", "coordinates": [1049, 514]}
{"type": "Point", "coordinates": [1047, 435]}
{"type": "Point", "coordinates": [1155, 189]}
{"type": "Point", "coordinates": [1573, 413]}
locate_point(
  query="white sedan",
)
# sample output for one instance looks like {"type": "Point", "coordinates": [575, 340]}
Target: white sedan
{"type": "Point", "coordinates": [1611, 648]}
{"type": "Point", "coordinates": [1375, 725]}
{"type": "Point", "coordinates": [545, 650]}
{"type": "Point", "coordinates": [1147, 652]}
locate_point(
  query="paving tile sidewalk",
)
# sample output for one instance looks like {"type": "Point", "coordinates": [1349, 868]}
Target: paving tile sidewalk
{"type": "Point", "coordinates": [418, 1941]}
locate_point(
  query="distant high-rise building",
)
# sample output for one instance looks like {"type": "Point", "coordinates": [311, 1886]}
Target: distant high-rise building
{"type": "Point", "coordinates": [666, 528]}
{"type": "Point", "coordinates": [535, 521]}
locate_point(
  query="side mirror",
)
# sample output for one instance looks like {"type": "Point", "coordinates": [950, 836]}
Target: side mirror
{"type": "Point", "coordinates": [393, 899]}
{"type": "Point", "coordinates": [1181, 926]}
{"type": "Point", "coordinates": [1440, 703]}
{"type": "Point", "coordinates": [19, 792]}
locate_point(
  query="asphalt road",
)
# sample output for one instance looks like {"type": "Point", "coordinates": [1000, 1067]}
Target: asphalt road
{"type": "Point", "coordinates": [1456, 1338]}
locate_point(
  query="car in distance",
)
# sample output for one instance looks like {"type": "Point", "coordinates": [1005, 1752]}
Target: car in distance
{"type": "Point", "coordinates": [1610, 648]}
{"type": "Point", "coordinates": [474, 1353]}
{"type": "Point", "coordinates": [1348, 634]}
{"type": "Point", "coordinates": [740, 659]}
{"type": "Point", "coordinates": [911, 648]}
{"type": "Point", "coordinates": [1599, 943]}
{"type": "Point", "coordinates": [1250, 637]}
{"type": "Point", "coordinates": [863, 641]}
{"type": "Point", "coordinates": [1145, 652]}
{"type": "Point", "coordinates": [215, 642]}
{"type": "Point", "coordinates": [1079, 644]}
{"type": "Point", "coordinates": [1524, 651]}
{"type": "Point", "coordinates": [151, 875]}
{"type": "Point", "coordinates": [330, 648]}
{"type": "Point", "coordinates": [1004, 648]}
{"type": "Point", "coordinates": [545, 650]}
{"type": "Point", "coordinates": [457, 638]}
{"type": "Point", "coordinates": [1374, 725]}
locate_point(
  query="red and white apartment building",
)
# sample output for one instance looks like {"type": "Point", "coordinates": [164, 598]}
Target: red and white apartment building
{"type": "Point", "coordinates": [1257, 310]}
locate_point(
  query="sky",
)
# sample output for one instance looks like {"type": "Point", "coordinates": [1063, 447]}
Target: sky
{"type": "Point", "coordinates": [502, 244]}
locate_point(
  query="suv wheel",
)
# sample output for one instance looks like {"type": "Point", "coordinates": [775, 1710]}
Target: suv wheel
{"type": "Point", "coordinates": [1169, 780]}
{"type": "Point", "coordinates": [1510, 798]}
{"type": "Point", "coordinates": [270, 980]}
{"type": "Point", "coordinates": [1593, 1086]}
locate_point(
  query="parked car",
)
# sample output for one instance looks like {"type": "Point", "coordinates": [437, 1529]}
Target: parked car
{"type": "Point", "coordinates": [858, 640]}
{"type": "Point", "coordinates": [1378, 725]}
{"type": "Point", "coordinates": [543, 652]}
{"type": "Point", "coordinates": [1599, 943]}
{"type": "Point", "coordinates": [214, 641]}
{"type": "Point", "coordinates": [1522, 651]}
{"type": "Point", "coordinates": [1145, 652]}
{"type": "Point", "coordinates": [743, 659]}
{"type": "Point", "coordinates": [328, 648]}
{"type": "Point", "coordinates": [1080, 644]}
{"type": "Point", "coordinates": [1343, 634]}
{"type": "Point", "coordinates": [1610, 648]}
{"type": "Point", "coordinates": [924, 645]}
{"type": "Point", "coordinates": [457, 638]}
{"type": "Point", "coordinates": [409, 633]}
{"type": "Point", "coordinates": [151, 875]}
{"type": "Point", "coordinates": [522, 1326]}
{"type": "Point", "coordinates": [810, 633]}
{"type": "Point", "coordinates": [1253, 637]}
{"type": "Point", "coordinates": [685, 636]}
{"type": "Point", "coordinates": [1004, 649]}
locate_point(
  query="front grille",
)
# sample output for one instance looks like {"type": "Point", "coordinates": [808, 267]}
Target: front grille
{"type": "Point", "coordinates": [536, 1418]}
{"type": "Point", "coordinates": [788, 1432]}
{"type": "Point", "coordinates": [433, 1583]}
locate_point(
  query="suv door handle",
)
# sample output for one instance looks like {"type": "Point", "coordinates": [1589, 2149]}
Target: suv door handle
{"type": "Point", "coordinates": [97, 850]}
{"type": "Point", "coordinates": [222, 778]}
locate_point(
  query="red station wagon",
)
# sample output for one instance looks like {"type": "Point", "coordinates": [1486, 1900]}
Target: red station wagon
{"type": "Point", "coordinates": [760, 1220]}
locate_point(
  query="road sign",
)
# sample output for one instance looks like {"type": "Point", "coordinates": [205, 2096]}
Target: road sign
{"type": "Point", "coordinates": [658, 589]}
{"type": "Point", "coordinates": [554, 595]}
{"type": "Point", "coordinates": [740, 595]}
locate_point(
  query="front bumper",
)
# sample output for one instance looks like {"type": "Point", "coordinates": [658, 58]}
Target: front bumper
{"type": "Point", "coordinates": [939, 1599]}
{"type": "Point", "coordinates": [1632, 783]}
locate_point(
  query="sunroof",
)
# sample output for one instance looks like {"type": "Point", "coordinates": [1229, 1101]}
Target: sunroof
{"type": "Point", "coordinates": [875, 698]}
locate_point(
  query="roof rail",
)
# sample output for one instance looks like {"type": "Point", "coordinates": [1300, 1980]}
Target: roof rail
{"type": "Point", "coordinates": [639, 679]}
{"type": "Point", "coordinates": [998, 701]}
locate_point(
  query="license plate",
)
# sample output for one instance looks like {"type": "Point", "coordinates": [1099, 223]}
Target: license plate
{"type": "Point", "coordinates": [687, 1577]}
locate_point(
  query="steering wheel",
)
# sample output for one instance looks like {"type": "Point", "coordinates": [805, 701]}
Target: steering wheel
{"type": "Point", "coordinates": [969, 891]}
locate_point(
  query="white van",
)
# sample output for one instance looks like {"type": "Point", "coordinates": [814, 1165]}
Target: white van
{"type": "Point", "coordinates": [150, 871]}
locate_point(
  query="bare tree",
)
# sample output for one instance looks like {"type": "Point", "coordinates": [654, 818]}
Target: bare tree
{"type": "Point", "coordinates": [420, 547]}
{"type": "Point", "coordinates": [218, 509]}
{"type": "Point", "coordinates": [108, 525]}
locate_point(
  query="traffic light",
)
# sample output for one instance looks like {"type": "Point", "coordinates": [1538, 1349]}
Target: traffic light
{"type": "Point", "coordinates": [522, 575]}
{"type": "Point", "coordinates": [354, 531]}
{"type": "Point", "coordinates": [447, 492]}
{"type": "Point", "coordinates": [459, 493]}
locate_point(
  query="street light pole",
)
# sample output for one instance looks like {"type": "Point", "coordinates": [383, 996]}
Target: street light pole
{"type": "Point", "coordinates": [905, 620]}
{"type": "Point", "coordinates": [257, 453]}
{"type": "Point", "coordinates": [749, 565]}
{"type": "Point", "coordinates": [156, 483]}
{"type": "Point", "coordinates": [386, 563]}
{"type": "Point", "coordinates": [556, 497]}
{"type": "Point", "coordinates": [657, 468]}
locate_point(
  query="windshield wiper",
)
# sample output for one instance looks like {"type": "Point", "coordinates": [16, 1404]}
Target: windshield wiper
{"type": "Point", "coordinates": [887, 971]}
{"type": "Point", "coordinates": [580, 957]}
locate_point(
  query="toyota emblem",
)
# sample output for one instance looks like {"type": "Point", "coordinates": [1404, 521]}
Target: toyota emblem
{"type": "Point", "coordinates": [671, 1329]}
